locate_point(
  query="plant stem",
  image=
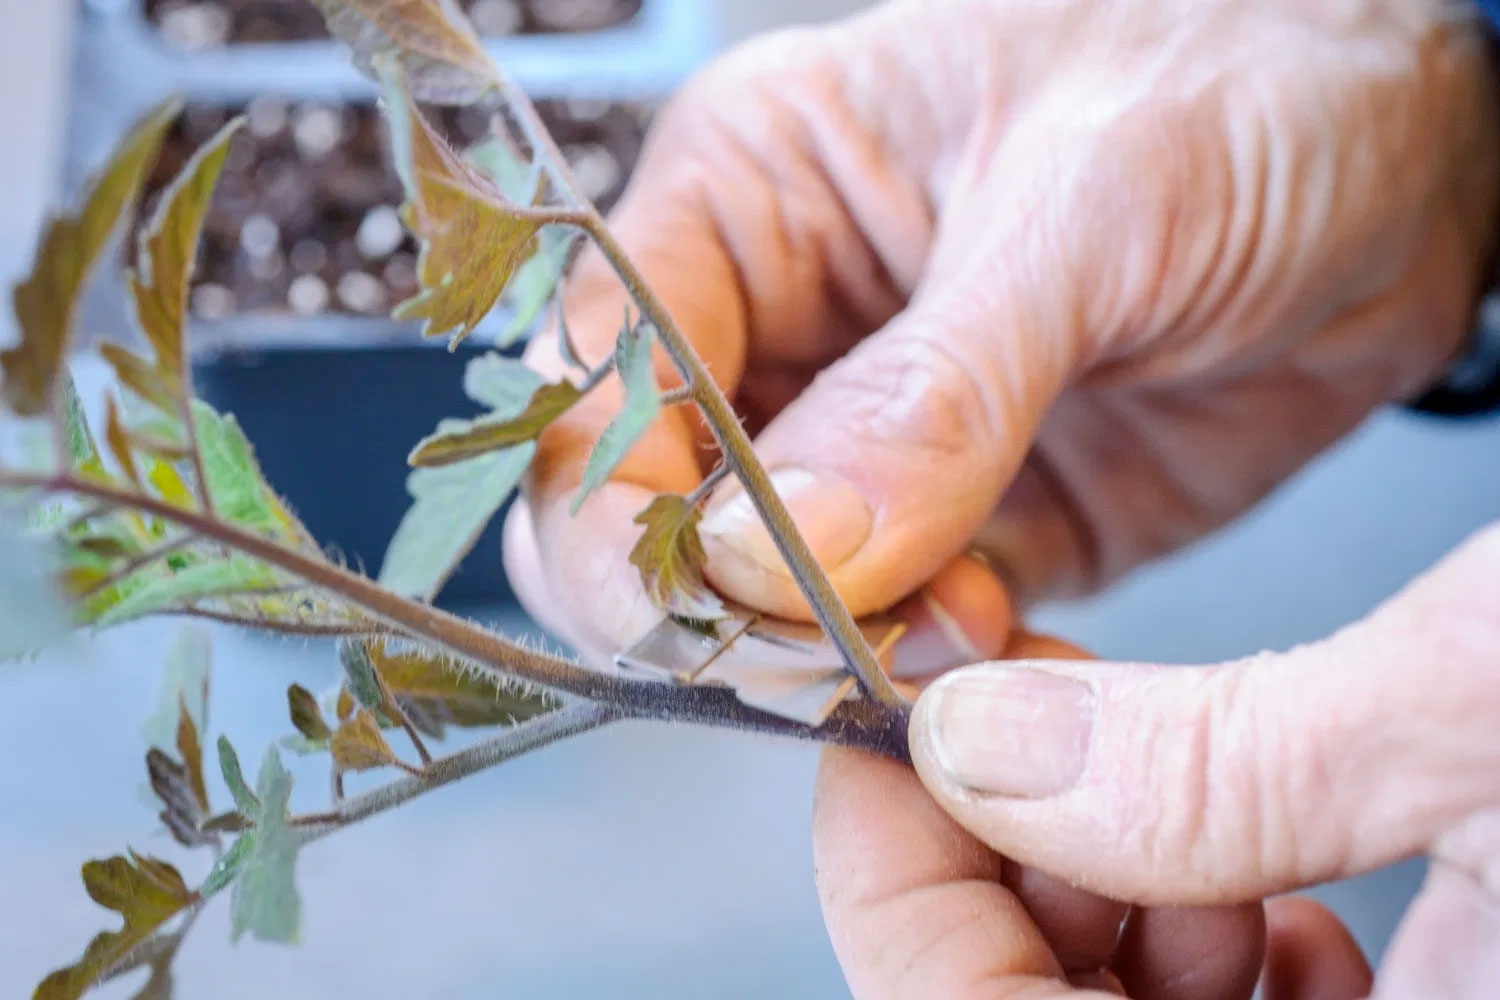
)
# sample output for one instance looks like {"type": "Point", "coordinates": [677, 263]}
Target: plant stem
{"type": "Point", "coordinates": [819, 591]}
{"type": "Point", "coordinates": [739, 453]}
{"type": "Point", "coordinates": [570, 720]}
{"type": "Point", "coordinates": [710, 483]}
{"type": "Point", "coordinates": [859, 723]}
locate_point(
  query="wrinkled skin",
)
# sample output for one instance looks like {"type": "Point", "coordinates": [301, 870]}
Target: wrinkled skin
{"type": "Point", "coordinates": [1065, 284]}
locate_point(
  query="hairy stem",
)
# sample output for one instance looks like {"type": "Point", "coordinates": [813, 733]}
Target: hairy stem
{"type": "Point", "coordinates": [570, 720]}
{"type": "Point", "coordinates": [859, 723]}
{"type": "Point", "coordinates": [819, 591]}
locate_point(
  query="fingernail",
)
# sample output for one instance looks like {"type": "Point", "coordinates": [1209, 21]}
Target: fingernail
{"type": "Point", "coordinates": [832, 516]}
{"type": "Point", "coordinates": [1008, 730]}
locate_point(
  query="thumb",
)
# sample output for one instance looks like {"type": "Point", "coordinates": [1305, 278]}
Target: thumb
{"type": "Point", "coordinates": [893, 457]}
{"type": "Point", "coordinates": [1171, 785]}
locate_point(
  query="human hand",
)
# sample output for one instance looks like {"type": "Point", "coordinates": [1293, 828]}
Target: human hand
{"type": "Point", "coordinates": [917, 907]}
{"type": "Point", "coordinates": [1071, 282]}
{"type": "Point", "coordinates": [1190, 787]}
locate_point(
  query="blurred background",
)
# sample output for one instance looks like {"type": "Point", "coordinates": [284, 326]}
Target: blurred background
{"type": "Point", "coordinates": [636, 862]}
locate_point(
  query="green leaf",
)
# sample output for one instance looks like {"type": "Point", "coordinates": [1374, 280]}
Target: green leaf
{"type": "Point", "coordinates": [436, 49]}
{"type": "Point", "coordinates": [357, 744]}
{"type": "Point", "coordinates": [460, 440]}
{"type": "Point", "coordinates": [227, 868]}
{"type": "Point", "coordinates": [641, 407]}
{"type": "Point", "coordinates": [305, 713]}
{"type": "Point", "coordinates": [83, 450]}
{"type": "Point", "coordinates": [450, 509]}
{"type": "Point", "coordinates": [178, 589]}
{"type": "Point", "coordinates": [669, 555]}
{"type": "Point", "coordinates": [229, 766]}
{"type": "Point", "coordinates": [32, 611]}
{"type": "Point", "coordinates": [146, 892]}
{"type": "Point", "coordinates": [70, 246]}
{"type": "Point", "coordinates": [239, 490]}
{"type": "Point", "coordinates": [264, 900]}
{"type": "Point", "coordinates": [442, 690]}
{"type": "Point", "coordinates": [168, 246]}
{"type": "Point", "coordinates": [359, 674]}
{"type": "Point", "coordinates": [472, 239]}
{"type": "Point", "coordinates": [505, 385]}
{"type": "Point", "coordinates": [184, 684]}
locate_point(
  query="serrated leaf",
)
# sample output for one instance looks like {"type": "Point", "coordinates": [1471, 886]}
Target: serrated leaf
{"type": "Point", "coordinates": [447, 691]}
{"type": "Point", "coordinates": [359, 675]}
{"type": "Point", "coordinates": [119, 442]}
{"type": "Point", "coordinates": [461, 440]}
{"type": "Point", "coordinates": [168, 246]}
{"type": "Point", "coordinates": [505, 385]}
{"type": "Point", "coordinates": [137, 374]}
{"type": "Point", "coordinates": [306, 716]}
{"type": "Point", "coordinates": [227, 868]}
{"type": "Point", "coordinates": [264, 899]}
{"type": "Point", "coordinates": [70, 246]}
{"type": "Point", "coordinates": [83, 450]}
{"type": "Point", "coordinates": [450, 508]}
{"type": "Point", "coordinates": [640, 409]}
{"type": "Point", "coordinates": [229, 766]}
{"type": "Point", "coordinates": [239, 490]}
{"type": "Point", "coordinates": [146, 893]}
{"type": "Point", "coordinates": [472, 239]}
{"type": "Point", "coordinates": [436, 49]}
{"type": "Point", "coordinates": [32, 611]}
{"type": "Point", "coordinates": [669, 555]}
{"type": "Point", "coordinates": [357, 744]}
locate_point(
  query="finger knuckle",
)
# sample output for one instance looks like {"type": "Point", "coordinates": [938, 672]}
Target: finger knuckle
{"type": "Point", "coordinates": [916, 395]}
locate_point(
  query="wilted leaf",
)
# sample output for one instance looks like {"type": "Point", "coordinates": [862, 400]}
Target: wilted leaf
{"type": "Point", "coordinates": [440, 56]}
{"type": "Point", "coordinates": [32, 612]}
{"type": "Point", "coordinates": [69, 248]}
{"type": "Point", "coordinates": [229, 766]}
{"type": "Point", "coordinates": [264, 900]}
{"type": "Point", "coordinates": [357, 744]}
{"type": "Point", "coordinates": [450, 509]}
{"type": "Point", "coordinates": [446, 691]}
{"type": "Point", "coordinates": [641, 407]}
{"type": "Point", "coordinates": [305, 713]}
{"type": "Point", "coordinates": [472, 239]}
{"type": "Point", "coordinates": [167, 250]}
{"type": "Point", "coordinates": [183, 812]}
{"type": "Point", "coordinates": [146, 892]}
{"type": "Point", "coordinates": [670, 556]}
{"type": "Point", "coordinates": [168, 484]}
{"type": "Point", "coordinates": [459, 440]}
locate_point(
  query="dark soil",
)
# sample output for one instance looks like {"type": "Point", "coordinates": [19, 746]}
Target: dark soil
{"type": "Point", "coordinates": [198, 24]}
{"type": "Point", "coordinates": [304, 221]}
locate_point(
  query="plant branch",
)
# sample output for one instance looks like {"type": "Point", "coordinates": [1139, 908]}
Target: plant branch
{"type": "Point", "coordinates": [710, 483]}
{"type": "Point", "coordinates": [819, 591]}
{"type": "Point", "coordinates": [570, 720]}
{"type": "Point", "coordinates": [313, 630]}
{"type": "Point", "coordinates": [860, 723]}
{"type": "Point", "coordinates": [739, 453]}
